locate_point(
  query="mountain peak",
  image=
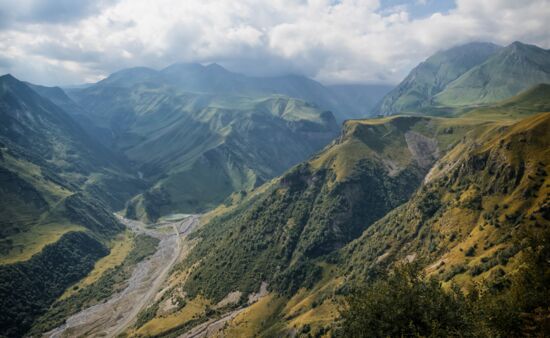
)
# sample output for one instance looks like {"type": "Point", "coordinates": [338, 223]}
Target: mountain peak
{"type": "Point", "coordinates": [520, 46]}
{"type": "Point", "coordinates": [10, 82]}
{"type": "Point", "coordinates": [7, 77]}
{"type": "Point", "coordinates": [183, 66]}
{"type": "Point", "coordinates": [217, 67]}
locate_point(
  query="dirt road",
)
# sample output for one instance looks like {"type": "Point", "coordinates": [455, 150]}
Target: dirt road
{"type": "Point", "coordinates": [114, 316]}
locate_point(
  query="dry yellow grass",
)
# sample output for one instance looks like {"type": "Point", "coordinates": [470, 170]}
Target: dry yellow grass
{"type": "Point", "coordinates": [29, 243]}
{"type": "Point", "coordinates": [251, 321]}
{"type": "Point", "coordinates": [119, 249]}
{"type": "Point", "coordinates": [158, 325]}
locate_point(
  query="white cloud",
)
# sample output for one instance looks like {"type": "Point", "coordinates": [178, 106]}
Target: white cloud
{"type": "Point", "coordinates": [332, 41]}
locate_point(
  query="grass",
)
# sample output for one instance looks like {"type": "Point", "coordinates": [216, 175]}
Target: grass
{"type": "Point", "coordinates": [26, 244]}
{"type": "Point", "coordinates": [256, 318]}
{"type": "Point", "coordinates": [112, 280]}
{"type": "Point", "coordinates": [485, 201]}
{"type": "Point", "coordinates": [119, 248]}
{"type": "Point", "coordinates": [192, 310]}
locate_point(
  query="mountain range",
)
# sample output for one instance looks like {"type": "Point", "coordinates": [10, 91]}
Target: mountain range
{"type": "Point", "coordinates": [304, 200]}
{"type": "Point", "coordinates": [196, 148]}
{"type": "Point", "coordinates": [470, 75]}
{"type": "Point", "coordinates": [457, 194]}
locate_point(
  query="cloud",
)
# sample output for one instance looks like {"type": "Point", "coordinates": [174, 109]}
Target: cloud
{"type": "Point", "coordinates": [58, 42]}
{"type": "Point", "coordinates": [49, 11]}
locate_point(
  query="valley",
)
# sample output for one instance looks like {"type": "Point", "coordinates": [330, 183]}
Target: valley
{"type": "Point", "coordinates": [114, 315]}
{"type": "Point", "coordinates": [195, 201]}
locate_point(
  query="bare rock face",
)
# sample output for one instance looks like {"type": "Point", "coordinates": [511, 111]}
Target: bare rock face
{"type": "Point", "coordinates": [423, 149]}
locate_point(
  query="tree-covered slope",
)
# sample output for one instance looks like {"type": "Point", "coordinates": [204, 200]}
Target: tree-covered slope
{"type": "Point", "coordinates": [511, 70]}
{"type": "Point", "coordinates": [430, 77]}
{"type": "Point", "coordinates": [460, 196]}
{"type": "Point", "coordinates": [316, 207]}
{"type": "Point", "coordinates": [58, 189]}
{"type": "Point", "coordinates": [475, 206]}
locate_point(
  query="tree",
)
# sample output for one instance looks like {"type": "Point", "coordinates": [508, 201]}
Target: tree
{"type": "Point", "coordinates": [406, 303]}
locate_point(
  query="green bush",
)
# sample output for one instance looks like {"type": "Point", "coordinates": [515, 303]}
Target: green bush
{"type": "Point", "coordinates": [404, 303]}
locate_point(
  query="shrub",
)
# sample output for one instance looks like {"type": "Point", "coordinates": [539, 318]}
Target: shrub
{"type": "Point", "coordinates": [406, 304]}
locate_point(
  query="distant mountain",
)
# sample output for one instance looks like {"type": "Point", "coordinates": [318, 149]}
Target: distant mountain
{"type": "Point", "coordinates": [216, 80]}
{"type": "Point", "coordinates": [506, 73]}
{"type": "Point", "coordinates": [431, 76]}
{"type": "Point", "coordinates": [58, 96]}
{"type": "Point", "coordinates": [58, 189]}
{"type": "Point", "coordinates": [532, 100]}
{"type": "Point", "coordinates": [362, 97]}
{"type": "Point", "coordinates": [197, 148]}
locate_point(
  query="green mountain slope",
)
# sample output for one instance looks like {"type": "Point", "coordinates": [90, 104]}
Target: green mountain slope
{"type": "Point", "coordinates": [58, 97]}
{"type": "Point", "coordinates": [473, 209]}
{"type": "Point", "coordinates": [511, 70]}
{"type": "Point", "coordinates": [456, 194]}
{"type": "Point", "coordinates": [196, 149]}
{"type": "Point", "coordinates": [431, 76]}
{"type": "Point", "coordinates": [532, 100]}
{"type": "Point", "coordinates": [317, 207]}
{"type": "Point", "coordinates": [58, 189]}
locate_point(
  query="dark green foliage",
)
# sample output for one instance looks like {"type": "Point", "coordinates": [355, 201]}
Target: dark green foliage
{"type": "Point", "coordinates": [470, 252]}
{"type": "Point", "coordinates": [277, 236]}
{"type": "Point", "coordinates": [405, 304]}
{"type": "Point", "coordinates": [28, 288]}
{"type": "Point", "coordinates": [147, 314]}
{"type": "Point", "coordinates": [430, 203]}
{"type": "Point", "coordinates": [303, 274]}
{"type": "Point", "coordinates": [91, 213]}
{"type": "Point", "coordinates": [112, 281]}
{"type": "Point", "coordinates": [520, 305]}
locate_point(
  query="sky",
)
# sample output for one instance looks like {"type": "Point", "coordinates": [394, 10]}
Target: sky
{"type": "Point", "coordinates": [63, 42]}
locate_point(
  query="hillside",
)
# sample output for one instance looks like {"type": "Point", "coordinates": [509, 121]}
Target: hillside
{"type": "Point", "coordinates": [197, 149]}
{"type": "Point", "coordinates": [468, 217]}
{"type": "Point", "coordinates": [511, 70]}
{"type": "Point", "coordinates": [278, 234]}
{"type": "Point", "coordinates": [430, 77]}
{"type": "Point", "coordinates": [58, 190]}
{"type": "Point", "coordinates": [455, 194]}
{"type": "Point", "coordinates": [532, 100]}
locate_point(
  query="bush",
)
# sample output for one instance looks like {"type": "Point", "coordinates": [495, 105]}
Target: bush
{"type": "Point", "coordinates": [406, 304]}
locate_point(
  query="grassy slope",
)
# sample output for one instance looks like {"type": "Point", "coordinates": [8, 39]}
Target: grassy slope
{"type": "Point", "coordinates": [430, 77]}
{"type": "Point", "coordinates": [509, 71]}
{"type": "Point", "coordinates": [46, 164]}
{"type": "Point", "coordinates": [532, 100]}
{"type": "Point", "coordinates": [278, 233]}
{"type": "Point", "coordinates": [478, 169]}
{"type": "Point", "coordinates": [476, 201]}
